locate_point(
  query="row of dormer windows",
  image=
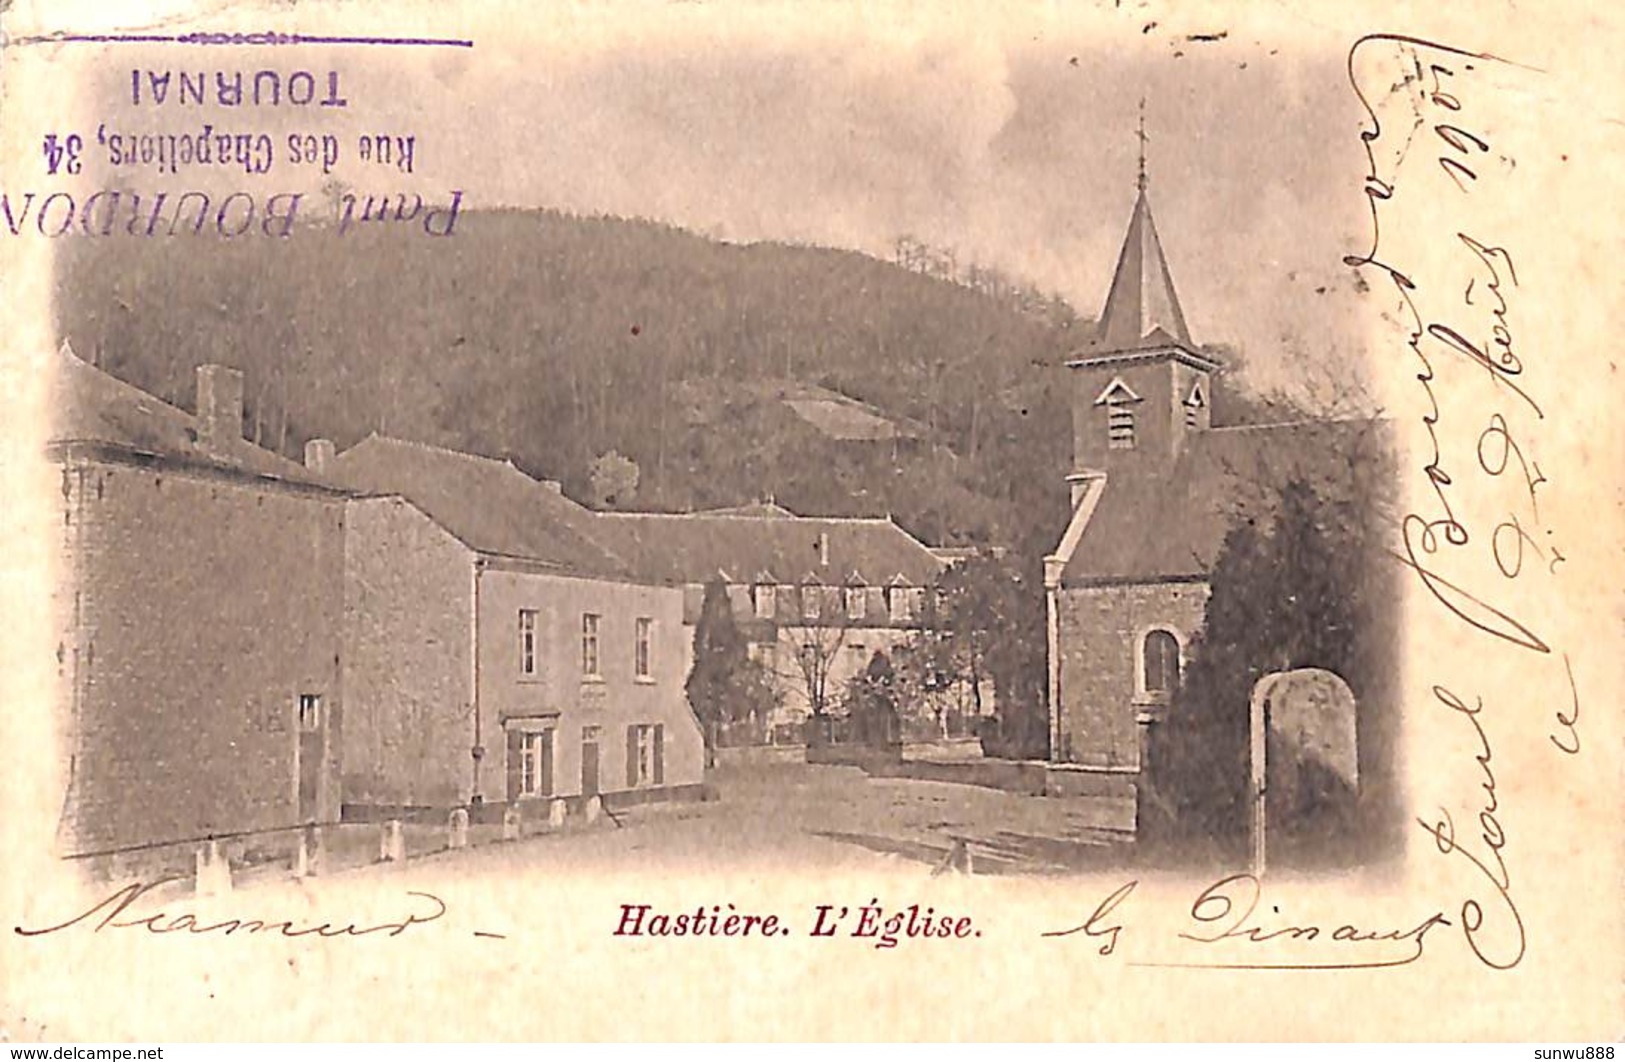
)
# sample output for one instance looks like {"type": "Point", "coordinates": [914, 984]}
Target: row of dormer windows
{"type": "Point", "coordinates": [814, 601]}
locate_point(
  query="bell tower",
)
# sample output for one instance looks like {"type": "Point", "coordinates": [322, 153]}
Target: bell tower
{"type": "Point", "coordinates": [1140, 386]}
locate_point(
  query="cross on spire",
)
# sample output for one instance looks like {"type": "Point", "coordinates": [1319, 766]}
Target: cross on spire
{"type": "Point", "coordinates": [1141, 180]}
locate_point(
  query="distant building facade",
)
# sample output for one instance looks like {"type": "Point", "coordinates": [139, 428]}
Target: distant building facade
{"type": "Point", "coordinates": [815, 597]}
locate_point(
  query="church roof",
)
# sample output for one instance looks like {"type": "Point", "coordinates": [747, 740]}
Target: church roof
{"type": "Point", "coordinates": [1162, 526]}
{"type": "Point", "coordinates": [1142, 310]}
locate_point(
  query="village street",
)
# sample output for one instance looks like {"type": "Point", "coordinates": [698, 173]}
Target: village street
{"type": "Point", "coordinates": [828, 818]}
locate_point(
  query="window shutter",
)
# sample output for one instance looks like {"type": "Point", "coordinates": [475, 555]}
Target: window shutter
{"type": "Point", "coordinates": [660, 754]}
{"type": "Point", "coordinates": [544, 784]}
{"type": "Point", "coordinates": [515, 751]}
{"type": "Point", "coordinates": [631, 756]}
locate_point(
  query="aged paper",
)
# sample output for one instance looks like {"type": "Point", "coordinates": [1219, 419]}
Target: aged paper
{"type": "Point", "coordinates": [757, 521]}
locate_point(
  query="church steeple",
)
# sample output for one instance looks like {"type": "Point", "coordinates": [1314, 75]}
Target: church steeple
{"type": "Point", "coordinates": [1142, 309]}
{"type": "Point", "coordinates": [1142, 387]}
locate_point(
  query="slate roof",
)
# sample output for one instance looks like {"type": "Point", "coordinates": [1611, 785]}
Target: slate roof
{"type": "Point", "coordinates": [90, 406]}
{"type": "Point", "coordinates": [1142, 311]}
{"type": "Point", "coordinates": [840, 417]}
{"type": "Point", "coordinates": [831, 413]}
{"type": "Point", "coordinates": [489, 505]}
{"type": "Point", "coordinates": [1150, 527]}
{"type": "Point", "coordinates": [695, 547]}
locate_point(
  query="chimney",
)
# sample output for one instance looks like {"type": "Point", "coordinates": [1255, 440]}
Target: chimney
{"type": "Point", "coordinates": [219, 404]}
{"type": "Point", "coordinates": [553, 485]}
{"type": "Point", "coordinates": [823, 549]}
{"type": "Point", "coordinates": [318, 452]}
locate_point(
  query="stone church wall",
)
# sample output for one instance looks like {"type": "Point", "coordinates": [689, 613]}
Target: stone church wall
{"type": "Point", "coordinates": [1101, 695]}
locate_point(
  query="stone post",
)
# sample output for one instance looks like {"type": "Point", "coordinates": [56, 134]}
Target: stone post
{"type": "Point", "coordinates": [457, 829]}
{"type": "Point", "coordinates": [213, 871]}
{"type": "Point", "coordinates": [391, 843]}
{"type": "Point", "coordinates": [308, 862]}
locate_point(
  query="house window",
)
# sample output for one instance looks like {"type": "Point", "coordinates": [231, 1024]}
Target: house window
{"type": "Point", "coordinates": [645, 636]}
{"type": "Point", "coordinates": [536, 763]}
{"type": "Point", "coordinates": [1119, 425]}
{"type": "Point", "coordinates": [645, 754]}
{"type": "Point", "coordinates": [762, 596]}
{"type": "Point", "coordinates": [527, 641]}
{"type": "Point", "coordinates": [897, 603]}
{"type": "Point", "coordinates": [766, 656]}
{"type": "Point", "coordinates": [1160, 664]}
{"type": "Point", "coordinates": [310, 711]}
{"type": "Point", "coordinates": [589, 644]}
{"type": "Point", "coordinates": [810, 603]}
{"type": "Point", "coordinates": [856, 602]}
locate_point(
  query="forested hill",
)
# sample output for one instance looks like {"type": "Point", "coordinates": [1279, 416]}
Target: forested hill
{"type": "Point", "coordinates": [552, 339]}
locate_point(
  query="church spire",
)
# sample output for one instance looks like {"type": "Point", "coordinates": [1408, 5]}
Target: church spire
{"type": "Point", "coordinates": [1142, 309]}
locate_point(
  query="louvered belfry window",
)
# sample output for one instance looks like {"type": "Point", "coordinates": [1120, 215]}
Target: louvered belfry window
{"type": "Point", "coordinates": [1119, 424]}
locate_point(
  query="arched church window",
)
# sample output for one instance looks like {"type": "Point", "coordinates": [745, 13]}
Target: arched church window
{"type": "Point", "coordinates": [1161, 663]}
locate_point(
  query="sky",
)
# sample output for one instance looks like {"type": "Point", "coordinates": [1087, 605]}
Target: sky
{"type": "Point", "coordinates": [1009, 139]}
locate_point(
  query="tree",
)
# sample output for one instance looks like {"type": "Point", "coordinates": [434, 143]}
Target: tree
{"type": "Point", "coordinates": [614, 480]}
{"type": "Point", "coordinates": [1302, 580]}
{"type": "Point", "coordinates": [818, 646]}
{"type": "Point", "coordinates": [714, 683]}
{"type": "Point", "coordinates": [984, 624]}
{"type": "Point", "coordinates": [871, 700]}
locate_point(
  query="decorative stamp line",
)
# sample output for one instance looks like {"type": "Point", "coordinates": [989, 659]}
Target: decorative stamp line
{"type": "Point", "coordinates": [271, 37]}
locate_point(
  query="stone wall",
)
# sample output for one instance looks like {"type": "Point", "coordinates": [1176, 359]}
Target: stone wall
{"type": "Point", "coordinates": [1101, 695]}
{"type": "Point", "coordinates": [198, 606]}
{"type": "Point", "coordinates": [408, 660]}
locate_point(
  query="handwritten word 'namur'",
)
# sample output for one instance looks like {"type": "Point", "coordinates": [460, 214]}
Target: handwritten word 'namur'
{"type": "Point", "coordinates": [161, 923]}
{"type": "Point", "coordinates": [1462, 330]}
{"type": "Point", "coordinates": [1229, 933]}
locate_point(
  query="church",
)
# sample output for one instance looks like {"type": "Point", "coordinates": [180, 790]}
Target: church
{"type": "Point", "coordinates": [1155, 485]}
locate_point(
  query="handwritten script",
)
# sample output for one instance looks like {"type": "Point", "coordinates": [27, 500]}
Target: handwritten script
{"type": "Point", "coordinates": [114, 913]}
{"type": "Point", "coordinates": [1227, 930]}
{"type": "Point", "coordinates": [1477, 540]}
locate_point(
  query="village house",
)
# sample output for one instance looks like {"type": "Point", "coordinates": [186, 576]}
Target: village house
{"type": "Point", "coordinates": [815, 597]}
{"type": "Point", "coordinates": [1154, 488]}
{"type": "Point", "coordinates": [199, 619]}
{"type": "Point", "coordinates": [496, 653]}
{"type": "Point", "coordinates": [247, 645]}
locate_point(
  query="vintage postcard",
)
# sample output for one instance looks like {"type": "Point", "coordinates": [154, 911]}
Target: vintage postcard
{"type": "Point", "coordinates": [733, 521]}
